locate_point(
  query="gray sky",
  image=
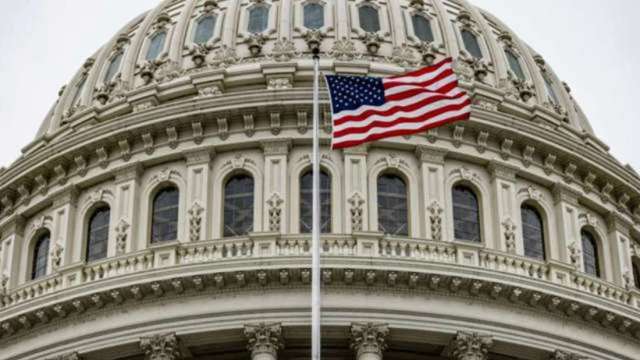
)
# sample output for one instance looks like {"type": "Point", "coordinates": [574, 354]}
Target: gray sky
{"type": "Point", "coordinates": [591, 44]}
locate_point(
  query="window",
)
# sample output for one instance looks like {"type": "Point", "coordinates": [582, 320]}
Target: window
{"type": "Point", "coordinates": [164, 223]}
{"type": "Point", "coordinates": [113, 68]}
{"type": "Point", "coordinates": [466, 214]}
{"type": "Point", "coordinates": [422, 28]}
{"type": "Point", "coordinates": [369, 18]}
{"type": "Point", "coordinates": [156, 44]}
{"type": "Point", "coordinates": [258, 19]}
{"type": "Point", "coordinates": [40, 256]}
{"type": "Point", "coordinates": [238, 206]}
{"type": "Point", "coordinates": [532, 232]}
{"type": "Point", "coordinates": [204, 29]}
{"type": "Point", "coordinates": [392, 205]}
{"type": "Point", "coordinates": [306, 199]}
{"type": "Point", "coordinates": [98, 234]}
{"type": "Point", "coordinates": [590, 253]}
{"type": "Point", "coordinates": [471, 43]}
{"type": "Point", "coordinates": [514, 64]}
{"type": "Point", "coordinates": [635, 264]}
{"type": "Point", "coordinates": [313, 16]}
{"type": "Point", "coordinates": [551, 94]}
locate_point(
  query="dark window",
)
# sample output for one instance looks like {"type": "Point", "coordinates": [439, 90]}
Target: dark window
{"type": "Point", "coordinates": [156, 44]}
{"type": "Point", "coordinates": [466, 214]}
{"type": "Point", "coordinates": [258, 19]}
{"type": "Point", "coordinates": [98, 234]}
{"type": "Point", "coordinates": [550, 92]}
{"type": "Point", "coordinates": [238, 206]}
{"type": "Point", "coordinates": [114, 67]}
{"type": "Point", "coordinates": [204, 29]}
{"type": "Point", "coordinates": [369, 18]}
{"type": "Point", "coordinates": [471, 43]}
{"type": "Point", "coordinates": [635, 263]}
{"type": "Point", "coordinates": [164, 225]}
{"type": "Point", "coordinates": [306, 197]}
{"type": "Point", "coordinates": [590, 253]}
{"type": "Point", "coordinates": [532, 232]}
{"type": "Point", "coordinates": [40, 256]}
{"type": "Point", "coordinates": [422, 28]}
{"type": "Point", "coordinates": [392, 205]}
{"type": "Point", "coordinates": [313, 16]}
{"type": "Point", "coordinates": [514, 64]}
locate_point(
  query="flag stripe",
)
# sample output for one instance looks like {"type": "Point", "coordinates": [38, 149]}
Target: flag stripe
{"type": "Point", "coordinates": [388, 85]}
{"type": "Point", "coordinates": [423, 74]}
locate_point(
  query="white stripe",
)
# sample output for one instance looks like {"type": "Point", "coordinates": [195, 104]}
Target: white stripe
{"type": "Point", "coordinates": [401, 126]}
{"type": "Point", "coordinates": [433, 87]}
{"type": "Point", "coordinates": [422, 78]}
{"type": "Point", "coordinates": [357, 124]}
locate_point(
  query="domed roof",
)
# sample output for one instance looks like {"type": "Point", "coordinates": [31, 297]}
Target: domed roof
{"type": "Point", "coordinates": [179, 42]}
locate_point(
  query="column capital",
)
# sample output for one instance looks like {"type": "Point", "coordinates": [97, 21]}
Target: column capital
{"type": "Point", "coordinates": [431, 154]}
{"type": "Point", "coordinates": [264, 338]}
{"type": "Point", "coordinates": [499, 170]}
{"type": "Point", "coordinates": [470, 346]}
{"type": "Point", "coordinates": [160, 347]}
{"type": "Point", "coordinates": [369, 338]}
{"type": "Point", "coordinates": [66, 196]}
{"type": "Point", "coordinates": [356, 150]}
{"type": "Point", "coordinates": [275, 147]}
{"type": "Point", "coordinates": [129, 172]}
{"type": "Point", "coordinates": [563, 355]}
{"type": "Point", "coordinates": [199, 156]}
{"type": "Point", "coordinates": [617, 223]}
{"type": "Point", "coordinates": [70, 356]}
{"type": "Point", "coordinates": [564, 193]}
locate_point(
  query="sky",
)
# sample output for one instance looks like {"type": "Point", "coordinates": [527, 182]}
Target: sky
{"type": "Point", "coordinates": [590, 44]}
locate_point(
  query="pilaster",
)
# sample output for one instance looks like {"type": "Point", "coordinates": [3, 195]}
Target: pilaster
{"type": "Point", "coordinates": [470, 346]}
{"type": "Point", "coordinates": [276, 183]}
{"type": "Point", "coordinates": [569, 246]}
{"type": "Point", "coordinates": [355, 186]}
{"type": "Point", "coordinates": [506, 222]}
{"type": "Point", "coordinates": [620, 268]}
{"type": "Point", "coordinates": [126, 212]}
{"type": "Point", "coordinates": [433, 189]}
{"type": "Point", "coordinates": [62, 243]}
{"type": "Point", "coordinates": [264, 340]}
{"type": "Point", "coordinates": [198, 186]}
{"type": "Point", "coordinates": [10, 244]}
{"type": "Point", "coordinates": [369, 340]}
{"type": "Point", "coordinates": [160, 347]}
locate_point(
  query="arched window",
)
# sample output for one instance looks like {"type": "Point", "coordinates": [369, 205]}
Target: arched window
{"type": "Point", "coordinates": [156, 44]}
{"type": "Point", "coordinates": [258, 19]}
{"type": "Point", "coordinates": [238, 206]}
{"type": "Point", "coordinates": [422, 28]}
{"type": "Point", "coordinates": [551, 93]}
{"type": "Point", "coordinates": [635, 264]}
{"type": "Point", "coordinates": [204, 29]}
{"type": "Point", "coordinates": [40, 256]}
{"type": "Point", "coordinates": [590, 253]}
{"type": "Point", "coordinates": [471, 43]}
{"type": "Point", "coordinates": [514, 64]}
{"type": "Point", "coordinates": [114, 67]}
{"type": "Point", "coordinates": [164, 222]}
{"type": "Point", "coordinates": [98, 234]}
{"type": "Point", "coordinates": [306, 196]}
{"type": "Point", "coordinates": [369, 18]}
{"type": "Point", "coordinates": [313, 16]}
{"type": "Point", "coordinates": [532, 232]}
{"type": "Point", "coordinates": [466, 214]}
{"type": "Point", "coordinates": [392, 205]}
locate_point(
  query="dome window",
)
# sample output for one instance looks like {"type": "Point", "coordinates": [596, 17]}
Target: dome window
{"type": "Point", "coordinates": [471, 43]}
{"type": "Point", "coordinates": [156, 44]}
{"type": "Point", "coordinates": [514, 64]}
{"type": "Point", "coordinates": [306, 202]}
{"type": "Point", "coordinates": [466, 214]}
{"type": "Point", "coordinates": [98, 234]}
{"type": "Point", "coordinates": [40, 256]}
{"type": "Point", "coordinates": [204, 29]}
{"type": "Point", "coordinates": [238, 206]}
{"type": "Point", "coordinates": [422, 28]}
{"type": "Point", "coordinates": [113, 68]}
{"type": "Point", "coordinates": [164, 222]}
{"type": "Point", "coordinates": [392, 205]}
{"type": "Point", "coordinates": [369, 18]}
{"type": "Point", "coordinates": [258, 19]}
{"type": "Point", "coordinates": [313, 16]}
{"type": "Point", "coordinates": [532, 232]}
{"type": "Point", "coordinates": [590, 257]}
{"type": "Point", "coordinates": [551, 93]}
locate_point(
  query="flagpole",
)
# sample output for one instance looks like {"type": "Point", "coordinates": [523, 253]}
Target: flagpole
{"type": "Point", "coordinates": [315, 237]}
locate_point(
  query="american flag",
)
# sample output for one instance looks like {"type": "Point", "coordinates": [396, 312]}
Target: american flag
{"type": "Point", "coordinates": [370, 108]}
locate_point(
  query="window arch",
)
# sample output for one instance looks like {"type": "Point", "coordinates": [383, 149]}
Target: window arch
{"type": "Point", "coordinates": [238, 205]}
{"type": "Point", "coordinates": [258, 19]}
{"type": "Point", "coordinates": [313, 16]}
{"type": "Point", "coordinates": [514, 64]}
{"type": "Point", "coordinates": [590, 258]}
{"type": "Point", "coordinates": [551, 93]}
{"type": "Point", "coordinates": [471, 43]}
{"type": "Point", "coordinates": [204, 29]}
{"type": "Point", "coordinates": [306, 208]}
{"type": "Point", "coordinates": [532, 232]}
{"type": "Point", "coordinates": [164, 220]}
{"type": "Point", "coordinates": [40, 256]}
{"type": "Point", "coordinates": [156, 44]}
{"type": "Point", "coordinates": [392, 205]}
{"type": "Point", "coordinates": [369, 18]}
{"type": "Point", "coordinates": [635, 265]}
{"type": "Point", "coordinates": [113, 68]}
{"type": "Point", "coordinates": [422, 28]}
{"type": "Point", "coordinates": [466, 214]}
{"type": "Point", "coordinates": [98, 234]}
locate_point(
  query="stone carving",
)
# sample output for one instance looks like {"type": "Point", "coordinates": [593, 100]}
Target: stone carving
{"type": "Point", "coordinates": [111, 91]}
{"type": "Point", "coordinates": [356, 201]}
{"type": "Point", "coordinates": [404, 56]}
{"type": "Point", "coordinates": [531, 193]}
{"type": "Point", "coordinates": [563, 355]}
{"type": "Point", "coordinates": [279, 83]}
{"type": "Point", "coordinates": [223, 128]}
{"type": "Point", "coordinates": [472, 68]}
{"type": "Point", "coordinates": [372, 40]}
{"type": "Point", "coordinates": [195, 221]}
{"type": "Point", "coordinates": [70, 356]}
{"type": "Point", "coordinates": [160, 347]}
{"type": "Point", "coordinates": [344, 50]}
{"type": "Point", "coordinates": [275, 212]}
{"type": "Point", "coordinates": [458, 131]}
{"type": "Point", "coordinates": [224, 56]}
{"type": "Point", "coordinates": [256, 42]}
{"type": "Point", "coordinates": [369, 338]}
{"type": "Point", "coordinates": [588, 219]}
{"type": "Point", "coordinates": [283, 50]}
{"type": "Point", "coordinates": [575, 255]}
{"type": "Point", "coordinates": [429, 51]}
{"type": "Point", "coordinates": [121, 236]}
{"type": "Point", "coordinates": [465, 174]}
{"type": "Point", "coordinates": [56, 255]}
{"type": "Point", "coordinates": [435, 218]}
{"type": "Point", "coordinates": [198, 53]}
{"type": "Point", "coordinates": [313, 38]}
{"type": "Point", "coordinates": [510, 234]}
{"type": "Point", "coordinates": [470, 346]}
{"type": "Point", "coordinates": [4, 280]}
{"type": "Point", "coordinates": [392, 161]}
{"type": "Point", "coordinates": [264, 339]}
{"type": "Point", "coordinates": [209, 91]}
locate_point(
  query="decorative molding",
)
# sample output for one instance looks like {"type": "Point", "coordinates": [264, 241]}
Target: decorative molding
{"type": "Point", "coordinates": [435, 219]}
{"type": "Point", "coordinates": [121, 236]}
{"type": "Point", "coordinates": [470, 346]}
{"type": "Point", "coordinates": [510, 235]}
{"type": "Point", "coordinates": [275, 212]}
{"type": "Point", "coordinates": [195, 221]}
{"type": "Point", "coordinates": [369, 338]}
{"type": "Point", "coordinates": [264, 338]}
{"type": "Point", "coordinates": [160, 347]}
{"type": "Point", "coordinates": [356, 210]}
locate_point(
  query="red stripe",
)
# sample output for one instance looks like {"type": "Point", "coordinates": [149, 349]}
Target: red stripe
{"type": "Point", "coordinates": [399, 132]}
{"type": "Point", "coordinates": [401, 120]}
{"type": "Point", "coordinates": [392, 84]}
{"type": "Point", "coordinates": [424, 70]}
{"type": "Point", "coordinates": [413, 92]}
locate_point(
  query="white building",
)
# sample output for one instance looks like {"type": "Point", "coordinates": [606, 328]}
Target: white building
{"type": "Point", "coordinates": [162, 210]}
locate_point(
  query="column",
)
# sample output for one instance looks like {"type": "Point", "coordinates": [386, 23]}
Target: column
{"type": "Point", "coordinates": [433, 190]}
{"type": "Point", "coordinates": [369, 340]}
{"type": "Point", "coordinates": [275, 185]}
{"type": "Point", "coordinates": [198, 203]}
{"type": "Point", "coordinates": [10, 254]}
{"type": "Point", "coordinates": [355, 189]}
{"type": "Point", "coordinates": [125, 214]}
{"type": "Point", "coordinates": [566, 209]}
{"type": "Point", "coordinates": [161, 347]}
{"type": "Point", "coordinates": [264, 340]}
{"type": "Point", "coordinates": [505, 221]}
{"type": "Point", "coordinates": [618, 250]}
{"type": "Point", "coordinates": [470, 346]}
{"type": "Point", "coordinates": [63, 249]}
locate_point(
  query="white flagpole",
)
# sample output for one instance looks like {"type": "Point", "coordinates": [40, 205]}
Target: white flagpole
{"type": "Point", "coordinates": [315, 237]}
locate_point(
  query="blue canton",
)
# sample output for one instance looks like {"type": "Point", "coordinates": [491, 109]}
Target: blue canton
{"type": "Point", "coordinates": [352, 92]}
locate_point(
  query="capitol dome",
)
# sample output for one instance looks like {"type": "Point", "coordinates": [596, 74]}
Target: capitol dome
{"type": "Point", "coordinates": [162, 211]}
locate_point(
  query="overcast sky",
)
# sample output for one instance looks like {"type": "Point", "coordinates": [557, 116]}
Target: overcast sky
{"type": "Point", "coordinates": [591, 44]}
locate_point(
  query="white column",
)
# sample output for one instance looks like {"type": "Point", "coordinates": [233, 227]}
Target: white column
{"type": "Point", "coordinates": [369, 340]}
{"type": "Point", "coordinates": [198, 203]}
{"type": "Point", "coordinates": [433, 190]}
{"type": "Point", "coordinates": [355, 186]}
{"type": "Point", "coordinates": [470, 346]}
{"type": "Point", "coordinates": [276, 183]}
{"type": "Point", "coordinates": [505, 222]}
{"type": "Point", "coordinates": [125, 217]}
{"type": "Point", "coordinates": [264, 340]}
{"type": "Point", "coordinates": [619, 268]}
{"type": "Point", "coordinates": [568, 247]}
{"type": "Point", "coordinates": [63, 248]}
{"type": "Point", "coordinates": [161, 347]}
{"type": "Point", "coordinates": [10, 245]}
